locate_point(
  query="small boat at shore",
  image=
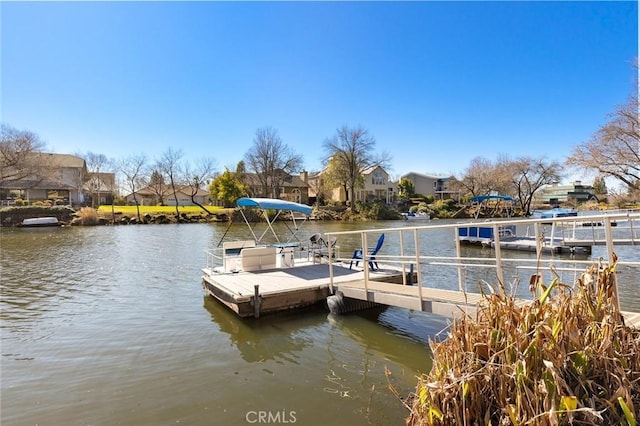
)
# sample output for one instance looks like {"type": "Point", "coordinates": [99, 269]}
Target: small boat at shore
{"type": "Point", "coordinates": [38, 222]}
{"type": "Point", "coordinates": [554, 212]}
{"type": "Point", "coordinates": [416, 216]}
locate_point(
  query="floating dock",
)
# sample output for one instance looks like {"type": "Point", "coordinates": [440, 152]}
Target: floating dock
{"type": "Point", "coordinates": [258, 292]}
{"type": "Point", "coordinates": [508, 240]}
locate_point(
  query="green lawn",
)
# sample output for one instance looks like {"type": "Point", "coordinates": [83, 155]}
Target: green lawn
{"type": "Point", "coordinates": [131, 210]}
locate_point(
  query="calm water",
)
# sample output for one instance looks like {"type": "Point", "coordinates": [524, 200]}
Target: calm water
{"type": "Point", "coordinates": [110, 326]}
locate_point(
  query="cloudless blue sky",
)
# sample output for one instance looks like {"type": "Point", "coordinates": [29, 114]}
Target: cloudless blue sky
{"type": "Point", "coordinates": [436, 83]}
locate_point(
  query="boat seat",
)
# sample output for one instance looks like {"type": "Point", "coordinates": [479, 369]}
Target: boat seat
{"type": "Point", "coordinates": [231, 250]}
{"type": "Point", "coordinates": [257, 258]}
{"type": "Point", "coordinates": [235, 247]}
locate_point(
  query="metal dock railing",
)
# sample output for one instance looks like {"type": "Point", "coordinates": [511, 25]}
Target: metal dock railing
{"type": "Point", "coordinates": [453, 268]}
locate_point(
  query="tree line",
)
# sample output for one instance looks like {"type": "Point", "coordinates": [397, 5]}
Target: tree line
{"type": "Point", "coordinates": [612, 152]}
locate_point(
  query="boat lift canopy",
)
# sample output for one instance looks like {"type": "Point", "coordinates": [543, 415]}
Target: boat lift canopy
{"type": "Point", "coordinates": [481, 198]}
{"type": "Point", "coordinates": [500, 200]}
{"type": "Point", "coordinates": [279, 206]}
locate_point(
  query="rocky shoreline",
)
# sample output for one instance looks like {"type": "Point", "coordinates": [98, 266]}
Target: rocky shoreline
{"type": "Point", "coordinates": [86, 216]}
{"type": "Point", "coordinates": [67, 216]}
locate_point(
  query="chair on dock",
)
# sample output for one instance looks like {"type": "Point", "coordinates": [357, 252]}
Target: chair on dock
{"type": "Point", "coordinates": [320, 246]}
{"type": "Point", "coordinates": [371, 254]}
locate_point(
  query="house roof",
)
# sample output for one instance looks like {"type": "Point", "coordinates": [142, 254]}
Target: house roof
{"type": "Point", "coordinates": [369, 170]}
{"type": "Point", "coordinates": [291, 181]}
{"type": "Point", "coordinates": [100, 182]}
{"type": "Point", "coordinates": [421, 175]}
{"type": "Point", "coordinates": [62, 160]}
{"type": "Point", "coordinates": [35, 184]}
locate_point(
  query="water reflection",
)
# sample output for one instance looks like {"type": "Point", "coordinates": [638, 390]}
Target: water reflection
{"type": "Point", "coordinates": [347, 361]}
{"type": "Point", "coordinates": [277, 337]}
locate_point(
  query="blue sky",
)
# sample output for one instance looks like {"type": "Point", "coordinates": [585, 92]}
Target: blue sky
{"type": "Point", "coordinates": [436, 83]}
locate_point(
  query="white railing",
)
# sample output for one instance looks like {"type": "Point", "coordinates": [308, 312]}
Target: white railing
{"type": "Point", "coordinates": [410, 249]}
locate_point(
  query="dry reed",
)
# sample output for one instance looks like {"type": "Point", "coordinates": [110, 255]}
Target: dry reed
{"type": "Point", "coordinates": [87, 216]}
{"type": "Point", "coordinates": [565, 358]}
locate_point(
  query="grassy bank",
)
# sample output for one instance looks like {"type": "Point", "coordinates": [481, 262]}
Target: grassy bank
{"type": "Point", "coordinates": [132, 211]}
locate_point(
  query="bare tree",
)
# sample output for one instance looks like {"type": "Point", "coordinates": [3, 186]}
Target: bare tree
{"type": "Point", "coordinates": [480, 178]}
{"type": "Point", "coordinates": [95, 163]}
{"type": "Point", "coordinates": [133, 171]}
{"type": "Point", "coordinates": [198, 177]}
{"type": "Point", "coordinates": [353, 150]}
{"type": "Point", "coordinates": [614, 150]}
{"type": "Point", "coordinates": [271, 160]}
{"type": "Point", "coordinates": [529, 175]}
{"type": "Point", "coordinates": [169, 165]}
{"type": "Point", "coordinates": [21, 157]}
{"type": "Point", "coordinates": [157, 186]}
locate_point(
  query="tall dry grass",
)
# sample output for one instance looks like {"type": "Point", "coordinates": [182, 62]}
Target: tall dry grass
{"type": "Point", "coordinates": [566, 358]}
{"type": "Point", "coordinates": [87, 216]}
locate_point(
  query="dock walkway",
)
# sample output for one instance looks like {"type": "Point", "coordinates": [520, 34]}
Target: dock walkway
{"type": "Point", "coordinates": [406, 273]}
{"type": "Point", "coordinates": [305, 285]}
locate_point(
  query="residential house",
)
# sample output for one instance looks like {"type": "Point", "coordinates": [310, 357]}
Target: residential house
{"type": "Point", "coordinates": [60, 177]}
{"type": "Point", "coordinates": [573, 193]}
{"type": "Point", "coordinates": [163, 194]}
{"type": "Point", "coordinates": [292, 187]}
{"type": "Point", "coordinates": [376, 187]}
{"type": "Point", "coordinates": [100, 188]}
{"type": "Point", "coordinates": [315, 184]}
{"type": "Point", "coordinates": [431, 185]}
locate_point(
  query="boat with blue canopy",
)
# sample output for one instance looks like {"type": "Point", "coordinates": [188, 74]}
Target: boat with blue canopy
{"type": "Point", "coordinates": [493, 205]}
{"type": "Point", "coordinates": [279, 206]}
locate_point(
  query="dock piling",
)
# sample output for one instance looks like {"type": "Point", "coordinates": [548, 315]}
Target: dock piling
{"type": "Point", "coordinates": [256, 301]}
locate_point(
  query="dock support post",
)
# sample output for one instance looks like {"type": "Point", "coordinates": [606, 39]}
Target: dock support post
{"type": "Point", "coordinates": [498, 250]}
{"type": "Point", "coordinates": [416, 242]}
{"type": "Point", "coordinates": [458, 257]}
{"type": "Point", "coordinates": [409, 275]}
{"type": "Point", "coordinates": [611, 254]}
{"type": "Point", "coordinates": [256, 301]}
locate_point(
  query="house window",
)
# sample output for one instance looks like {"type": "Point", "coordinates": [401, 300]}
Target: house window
{"type": "Point", "coordinates": [378, 179]}
{"type": "Point", "coordinates": [297, 196]}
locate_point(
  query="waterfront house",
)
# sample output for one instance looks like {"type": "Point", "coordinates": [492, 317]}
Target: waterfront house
{"type": "Point", "coordinates": [162, 194]}
{"type": "Point", "coordinates": [292, 187]}
{"type": "Point", "coordinates": [100, 188]}
{"type": "Point", "coordinates": [376, 186]}
{"type": "Point", "coordinates": [57, 177]}
{"type": "Point", "coordinates": [437, 186]}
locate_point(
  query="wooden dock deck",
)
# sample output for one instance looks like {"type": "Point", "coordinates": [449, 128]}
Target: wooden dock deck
{"type": "Point", "coordinates": [283, 289]}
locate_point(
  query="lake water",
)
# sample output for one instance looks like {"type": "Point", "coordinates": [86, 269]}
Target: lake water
{"type": "Point", "coordinates": [110, 326]}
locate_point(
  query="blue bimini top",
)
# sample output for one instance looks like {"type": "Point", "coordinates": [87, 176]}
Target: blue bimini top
{"type": "Point", "coordinates": [274, 204]}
